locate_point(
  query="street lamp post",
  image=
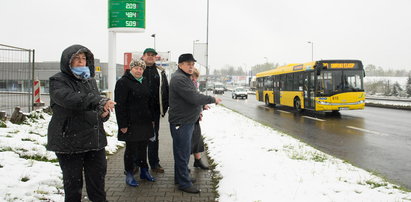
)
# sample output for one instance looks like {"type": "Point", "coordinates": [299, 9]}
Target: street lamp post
{"type": "Point", "coordinates": [312, 50]}
{"type": "Point", "coordinates": [194, 42]}
{"type": "Point", "coordinates": [207, 71]}
{"type": "Point", "coordinates": [154, 36]}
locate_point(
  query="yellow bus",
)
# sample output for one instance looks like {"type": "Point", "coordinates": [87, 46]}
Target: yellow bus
{"type": "Point", "coordinates": [325, 85]}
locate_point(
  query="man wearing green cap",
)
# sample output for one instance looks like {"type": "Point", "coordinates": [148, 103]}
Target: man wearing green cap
{"type": "Point", "coordinates": [158, 85]}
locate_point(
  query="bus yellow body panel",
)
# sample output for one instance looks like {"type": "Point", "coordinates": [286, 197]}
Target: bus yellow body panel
{"type": "Point", "coordinates": [270, 96]}
{"type": "Point", "coordinates": [257, 96]}
{"type": "Point", "coordinates": [350, 100]}
{"type": "Point", "coordinates": [287, 98]}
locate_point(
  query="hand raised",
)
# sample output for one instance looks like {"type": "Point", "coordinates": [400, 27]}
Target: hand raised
{"type": "Point", "coordinates": [109, 106]}
{"type": "Point", "coordinates": [124, 130]}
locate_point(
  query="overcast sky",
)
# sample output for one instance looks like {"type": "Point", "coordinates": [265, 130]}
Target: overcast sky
{"type": "Point", "coordinates": [241, 33]}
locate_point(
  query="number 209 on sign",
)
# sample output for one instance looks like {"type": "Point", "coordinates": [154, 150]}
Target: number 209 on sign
{"type": "Point", "coordinates": [131, 6]}
{"type": "Point", "coordinates": [131, 23]}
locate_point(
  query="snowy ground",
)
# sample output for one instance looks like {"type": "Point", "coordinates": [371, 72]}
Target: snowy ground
{"type": "Point", "coordinates": [28, 171]}
{"type": "Point", "coordinates": [257, 163]}
{"type": "Point", "coordinates": [388, 103]}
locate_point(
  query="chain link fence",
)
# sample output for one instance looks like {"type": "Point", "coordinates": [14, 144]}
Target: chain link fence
{"type": "Point", "coordinates": [16, 78]}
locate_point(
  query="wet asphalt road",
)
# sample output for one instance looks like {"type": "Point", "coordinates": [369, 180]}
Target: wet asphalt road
{"type": "Point", "coordinates": [375, 139]}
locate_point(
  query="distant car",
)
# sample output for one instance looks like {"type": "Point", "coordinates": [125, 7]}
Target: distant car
{"type": "Point", "coordinates": [218, 88]}
{"type": "Point", "coordinates": [210, 86]}
{"type": "Point", "coordinates": [239, 92]}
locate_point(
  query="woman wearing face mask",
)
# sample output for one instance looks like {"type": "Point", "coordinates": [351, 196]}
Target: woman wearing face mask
{"type": "Point", "coordinates": [134, 112]}
{"type": "Point", "coordinates": [76, 133]}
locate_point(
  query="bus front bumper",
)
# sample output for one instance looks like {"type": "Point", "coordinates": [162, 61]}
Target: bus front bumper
{"type": "Point", "coordinates": [326, 106]}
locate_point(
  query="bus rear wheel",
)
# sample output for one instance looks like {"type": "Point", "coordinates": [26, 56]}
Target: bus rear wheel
{"type": "Point", "coordinates": [297, 105]}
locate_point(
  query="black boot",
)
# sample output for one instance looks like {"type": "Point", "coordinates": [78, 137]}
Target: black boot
{"type": "Point", "coordinates": [199, 164]}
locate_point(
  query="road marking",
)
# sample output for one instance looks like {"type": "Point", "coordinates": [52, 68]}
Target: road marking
{"type": "Point", "coordinates": [284, 111]}
{"type": "Point", "coordinates": [308, 117]}
{"type": "Point", "coordinates": [367, 131]}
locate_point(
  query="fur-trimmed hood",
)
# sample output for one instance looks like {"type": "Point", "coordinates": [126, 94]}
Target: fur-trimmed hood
{"type": "Point", "coordinates": [67, 55]}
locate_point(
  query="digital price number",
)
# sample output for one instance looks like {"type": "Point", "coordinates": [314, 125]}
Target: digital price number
{"type": "Point", "coordinates": [131, 6]}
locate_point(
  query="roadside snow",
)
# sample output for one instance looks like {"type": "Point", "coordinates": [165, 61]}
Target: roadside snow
{"type": "Point", "coordinates": [257, 163]}
{"type": "Point", "coordinates": [28, 171]}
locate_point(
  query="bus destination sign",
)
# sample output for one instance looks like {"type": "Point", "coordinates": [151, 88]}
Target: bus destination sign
{"type": "Point", "coordinates": [339, 65]}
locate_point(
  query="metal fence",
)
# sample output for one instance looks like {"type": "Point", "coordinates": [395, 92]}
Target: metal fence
{"type": "Point", "coordinates": [16, 78]}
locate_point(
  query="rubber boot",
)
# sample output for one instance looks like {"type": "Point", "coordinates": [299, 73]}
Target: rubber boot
{"type": "Point", "coordinates": [144, 174]}
{"type": "Point", "coordinates": [130, 181]}
{"type": "Point", "coordinates": [199, 164]}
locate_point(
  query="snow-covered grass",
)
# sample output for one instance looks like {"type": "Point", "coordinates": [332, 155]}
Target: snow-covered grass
{"type": "Point", "coordinates": [388, 104]}
{"type": "Point", "coordinates": [256, 163]}
{"type": "Point", "coordinates": [392, 79]}
{"type": "Point", "coordinates": [28, 172]}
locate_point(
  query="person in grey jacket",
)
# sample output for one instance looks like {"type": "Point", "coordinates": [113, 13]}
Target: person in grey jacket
{"type": "Point", "coordinates": [76, 133]}
{"type": "Point", "coordinates": [184, 110]}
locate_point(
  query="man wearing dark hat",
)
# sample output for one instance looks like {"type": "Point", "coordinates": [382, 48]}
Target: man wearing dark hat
{"type": "Point", "coordinates": [185, 107]}
{"type": "Point", "coordinates": [158, 85]}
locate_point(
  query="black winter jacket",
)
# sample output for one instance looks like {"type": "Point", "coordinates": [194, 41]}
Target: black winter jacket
{"type": "Point", "coordinates": [158, 85]}
{"type": "Point", "coordinates": [134, 108]}
{"type": "Point", "coordinates": [76, 125]}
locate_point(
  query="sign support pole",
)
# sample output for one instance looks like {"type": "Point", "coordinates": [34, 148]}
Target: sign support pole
{"type": "Point", "coordinates": [111, 63]}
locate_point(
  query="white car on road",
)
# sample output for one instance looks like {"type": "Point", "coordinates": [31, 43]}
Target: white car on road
{"type": "Point", "coordinates": [239, 92]}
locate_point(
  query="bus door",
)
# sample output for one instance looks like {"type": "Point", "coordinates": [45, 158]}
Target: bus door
{"type": "Point", "coordinates": [260, 88]}
{"type": "Point", "coordinates": [309, 89]}
{"type": "Point", "coordinates": [276, 89]}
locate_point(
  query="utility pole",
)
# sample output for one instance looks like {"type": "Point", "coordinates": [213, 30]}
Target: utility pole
{"type": "Point", "coordinates": [312, 50]}
{"type": "Point", "coordinates": [154, 36]}
{"type": "Point", "coordinates": [207, 71]}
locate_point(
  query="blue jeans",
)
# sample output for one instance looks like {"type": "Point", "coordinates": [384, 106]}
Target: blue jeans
{"type": "Point", "coordinates": [181, 135]}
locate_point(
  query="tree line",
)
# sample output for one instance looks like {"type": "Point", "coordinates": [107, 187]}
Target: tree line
{"type": "Point", "coordinates": [387, 88]}
{"type": "Point", "coordinates": [229, 70]}
{"type": "Point", "coordinates": [372, 70]}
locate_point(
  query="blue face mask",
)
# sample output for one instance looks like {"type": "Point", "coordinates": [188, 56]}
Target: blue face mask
{"type": "Point", "coordinates": [83, 72]}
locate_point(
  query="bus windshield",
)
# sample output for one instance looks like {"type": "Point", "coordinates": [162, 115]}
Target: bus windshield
{"type": "Point", "coordinates": [333, 82]}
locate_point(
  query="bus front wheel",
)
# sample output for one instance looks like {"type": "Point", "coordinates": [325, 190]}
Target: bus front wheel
{"type": "Point", "coordinates": [297, 105]}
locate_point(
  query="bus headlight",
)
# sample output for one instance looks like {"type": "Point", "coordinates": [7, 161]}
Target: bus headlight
{"type": "Point", "coordinates": [323, 103]}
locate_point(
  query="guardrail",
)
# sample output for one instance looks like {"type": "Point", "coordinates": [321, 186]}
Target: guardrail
{"type": "Point", "coordinates": [389, 99]}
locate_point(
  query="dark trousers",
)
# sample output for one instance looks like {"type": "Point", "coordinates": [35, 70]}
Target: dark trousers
{"type": "Point", "coordinates": [136, 152]}
{"type": "Point", "coordinates": [153, 145]}
{"type": "Point", "coordinates": [182, 149]}
{"type": "Point", "coordinates": [94, 164]}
